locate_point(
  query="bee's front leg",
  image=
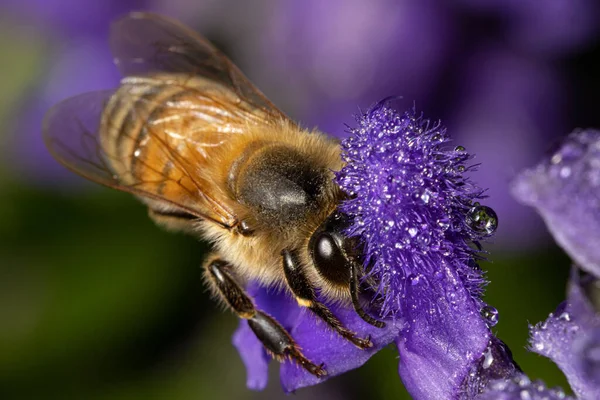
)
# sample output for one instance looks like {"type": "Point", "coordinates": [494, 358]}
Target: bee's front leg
{"type": "Point", "coordinates": [272, 335]}
{"type": "Point", "coordinates": [305, 295]}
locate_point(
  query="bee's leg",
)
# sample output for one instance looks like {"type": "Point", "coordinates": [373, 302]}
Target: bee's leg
{"type": "Point", "coordinates": [272, 335]}
{"type": "Point", "coordinates": [305, 295]}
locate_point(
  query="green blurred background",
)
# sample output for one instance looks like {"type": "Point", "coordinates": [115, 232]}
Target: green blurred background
{"type": "Point", "coordinates": [98, 303]}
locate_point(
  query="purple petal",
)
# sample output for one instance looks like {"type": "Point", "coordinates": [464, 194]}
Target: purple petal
{"type": "Point", "coordinates": [522, 388]}
{"type": "Point", "coordinates": [318, 342]}
{"type": "Point", "coordinates": [253, 355]}
{"type": "Point", "coordinates": [571, 338]}
{"type": "Point", "coordinates": [440, 347]}
{"type": "Point", "coordinates": [496, 363]}
{"type": "Point", "coordinates": [565, 190]}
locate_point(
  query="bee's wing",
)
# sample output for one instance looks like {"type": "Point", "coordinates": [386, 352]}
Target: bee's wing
{"type": "Point", "coordinates": [71, 131]}
{"type": "Point", "coordinates": [148, 45]}
{"type": "Point", "coordinates": [145, 43]}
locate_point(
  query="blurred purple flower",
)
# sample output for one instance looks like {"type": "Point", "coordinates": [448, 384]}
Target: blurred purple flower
{"type": "Point", "coordinates": [72, 18]}
{"type": "Point", "coordinates": [565, 190]}
{"type": "Point", "coordinates": [348, 51]}
{"type": "Point", "coordinates": [78, 34]}
{"type": "Point", "coordinates": [553, 28]}
{"type": "Point", "coordinates": [508, 110]}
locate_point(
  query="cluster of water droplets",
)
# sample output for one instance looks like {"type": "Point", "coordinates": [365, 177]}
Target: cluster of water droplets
{"type": "Point", "coordinates": [578, 155]}
{"type": "Point", "coordinates": [554, 334]}
{"type": "Point", "coordinates": [523, 388]}
{"type": "Point", "coordinates": [412, 204]}
{"type": "Point", "coordinates": [494, 364]}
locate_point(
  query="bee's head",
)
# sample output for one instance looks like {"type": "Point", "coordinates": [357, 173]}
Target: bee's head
{"type": "Point", "coordinates": [338, 258]}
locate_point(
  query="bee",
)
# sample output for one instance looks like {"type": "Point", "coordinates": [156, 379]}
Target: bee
{"type": "Point", "coordinates": [207, 153]}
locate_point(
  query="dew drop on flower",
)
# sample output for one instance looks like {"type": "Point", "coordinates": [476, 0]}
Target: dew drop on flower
{"type": "Point", "coordinates": [459, 148]}
{"type": "Point", "coordinates": [482, 219]}
{"type": "Point", "coordinates": [539, 346]}
{"type": "Point", "coordinates": [490, 314]}
{"type": "Point", "coordinates": [488, 358]}
{"type": "Point", "coordinates": [525, 395]}
{"type": "Point", "coordinates": [565, 316]}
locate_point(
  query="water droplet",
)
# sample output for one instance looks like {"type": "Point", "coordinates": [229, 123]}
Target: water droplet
{"type": "Point", "coordinates": [525, 395]}
{"type": "Point", "coordinates": [459, 148]}
{"type": "Point", "coordinates": [558, 393]}
{"type": "Point", "coordinates": [523, 381]}
{"type": "Point", "coordinates": [565, 316]}
{"type": "Point", "coordinates": [461, 168]}
{"type": "Point", "coordinates": [482, 219]}
{"type": "Point", "coordinates": [539, 346]}
{"type": "Point", "coordinates": [412, 232]}
{"type": "Point", "coordinates": [488, 358]}
{"type": "Point", "coordinates": [565, 172]}
{"type": "Point", "coordinates": [414, 279]}
{"type": "Point", "coordinates": [490, 314]}
{"type": "Point", "coordinates": [425, 196]}
{"type": "Point", "coordinates": [443, 223]}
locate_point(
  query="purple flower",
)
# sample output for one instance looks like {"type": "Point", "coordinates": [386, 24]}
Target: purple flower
{"type": "Point", "coordinates": [565, 190]}
{"type": "Point", "coordinates": [80, 63]}
{"type": "Point", "coordinates": [571, 338]}
{"type": "Point", "coordinates": [417, 216]}
{"type": "Point", "coordinates": [414, 209]}
{"type": "Point", "coordinates": [318, 342]}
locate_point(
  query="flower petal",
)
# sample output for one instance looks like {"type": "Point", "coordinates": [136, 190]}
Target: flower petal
{"type": "Point", "coordinates": [495, 363]}
{"type": "Point", "coordinates": [253, 355]}
{"type": "Point", "coordinates": [565, 190]}
{"type": "Point", "coordinates": [318, 342]}
{"type": "Point", "coordinates": [439, 349]}
{"type": "Point", "coordinates": [571, 338]}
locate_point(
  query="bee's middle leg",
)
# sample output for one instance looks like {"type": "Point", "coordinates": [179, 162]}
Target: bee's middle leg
{"type": "Point", "coordinates": [272, 335]}
{"type": "Point", "coordinates": [305, 295]}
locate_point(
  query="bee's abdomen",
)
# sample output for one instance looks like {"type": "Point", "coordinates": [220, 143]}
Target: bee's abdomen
{"type": "Point", "coordinates": [128, 122]}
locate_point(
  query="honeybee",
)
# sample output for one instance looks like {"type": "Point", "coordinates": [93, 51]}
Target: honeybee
{"type": "Point", "coordinates": [207, 153]}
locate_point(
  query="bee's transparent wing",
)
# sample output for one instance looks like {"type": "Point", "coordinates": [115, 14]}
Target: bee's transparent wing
{"type": "Point", "coordinates": [145, 43]}
{"type": "Point", "coordinates": [71, 132]}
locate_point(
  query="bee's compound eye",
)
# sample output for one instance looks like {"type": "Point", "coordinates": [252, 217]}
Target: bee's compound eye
{"type": "Point", "coordinates": [329, 259]}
